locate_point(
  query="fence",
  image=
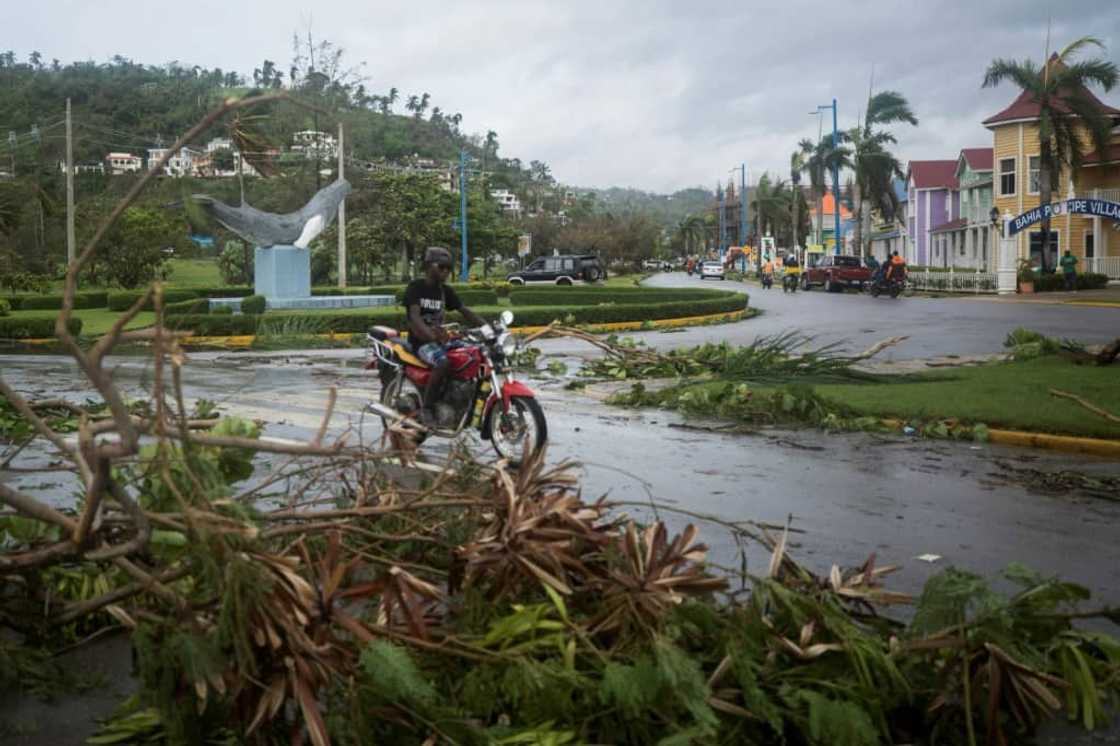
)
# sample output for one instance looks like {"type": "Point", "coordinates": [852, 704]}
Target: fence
{"type": "Point", "coordinates": [1105, 265]}
{"type": "Point", "coordinates": [952, 282]}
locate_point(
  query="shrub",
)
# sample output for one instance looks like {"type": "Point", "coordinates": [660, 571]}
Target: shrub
{"type": "Point", "coordinates": [223, 311]}
{"type": "Point", "coordinates": [123, 300]}
{"type": "Point", "coordinates": [581, 298]}
{"type": "Point", "coordinates": [254, 304]}
{"type": "Point", "coordinates": [215, 324]}
{"type": "Point", "coordinates": [54, 302]}
{"type": "Point", "coordinates": [34, 328]}
{"type": "Point", "coordinates": [15, 302]}
{"type": "Point", "coordinates": [228, 291]}
{"type": "Point", "coordinates": [197, 305]}
{"type": "Point", "coordinates": [5, 307]}
{"type": "Point", "coordinates": [1055, 282]}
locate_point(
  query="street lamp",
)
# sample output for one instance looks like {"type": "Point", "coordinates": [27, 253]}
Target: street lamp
{"type": "Point", "coordinates": [835, 173]}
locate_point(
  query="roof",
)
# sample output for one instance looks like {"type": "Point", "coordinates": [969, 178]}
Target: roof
{"type": "Point", "coordinates": [1026, 107]}
{"type": "Point", "coordinates": [934, 174]}
{"type": "Point", "coordinates": [952, 225]}
{"type": "Point", "coordinates": [978, 159]}
{"type": "Point", "coordinates": [828, 207]}
{"type": "Point", "coordinates": [1112, 155]}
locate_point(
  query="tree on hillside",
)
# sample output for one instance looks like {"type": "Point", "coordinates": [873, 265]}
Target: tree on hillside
{"type": "Point", "coordinates": [1060, 88]}
{"type": "Point", "coordinates": [874, 165]}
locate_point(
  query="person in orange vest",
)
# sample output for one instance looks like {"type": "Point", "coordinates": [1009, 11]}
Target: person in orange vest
{"type": "Point", "coordinates": [768, 273]}
{"type": "Point", "coordinates": [896, 269]}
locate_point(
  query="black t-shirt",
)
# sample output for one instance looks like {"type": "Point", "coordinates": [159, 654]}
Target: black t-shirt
{"type": "Point", "coordinates": [433, 300]}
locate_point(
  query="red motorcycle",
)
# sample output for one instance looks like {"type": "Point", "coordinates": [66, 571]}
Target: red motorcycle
{"type": "Point", "coordinates": [480, 390]}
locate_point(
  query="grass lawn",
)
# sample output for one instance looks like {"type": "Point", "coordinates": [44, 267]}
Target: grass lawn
{"type": "Point", "coordinates": [1007, 395]}
{"type": "Point", "coordinates": [94, 320]}
{"type": "Point", "coordinates": [194, 273]}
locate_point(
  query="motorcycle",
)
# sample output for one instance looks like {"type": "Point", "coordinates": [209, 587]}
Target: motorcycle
{"type": "Point", "coordinates": [789, 281]}
{"type": "Point", "coordinates": [767, 280]}
{"type": "Point", "coordinates": [480, 391]}
{"type": "Point", "coordinates": [892, 287]}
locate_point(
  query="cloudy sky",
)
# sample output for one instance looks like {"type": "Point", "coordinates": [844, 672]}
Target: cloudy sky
{"type": "Point", "coordinates": [654, 94]}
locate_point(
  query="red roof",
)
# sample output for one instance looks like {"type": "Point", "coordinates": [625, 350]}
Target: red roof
{"type": "Point", "coordinates": [978, 159]}
{"type": "Point", "coordinates": [1026, 107]}
{"type": "Point", "coordinates": [828, 207]}
{"type": "Point", "coordinates": [934, 174]}
{"type": "Point", "coordinates": [952, 225]}
{"type": "Point", "coordinates": [1112, 155]}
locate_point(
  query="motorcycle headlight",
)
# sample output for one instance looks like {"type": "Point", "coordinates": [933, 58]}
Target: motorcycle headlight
{"type": "Point", "coordinates": [508, 344]}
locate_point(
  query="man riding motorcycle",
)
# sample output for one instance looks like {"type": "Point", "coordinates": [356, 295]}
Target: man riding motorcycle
{"type": "Point", "coordinates": [768, 273]}
{"type": "Point", "coordinates": [426, 300]}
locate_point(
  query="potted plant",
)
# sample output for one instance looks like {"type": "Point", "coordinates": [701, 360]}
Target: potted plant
{"type": "Point", "coordinates": [1026, 276]}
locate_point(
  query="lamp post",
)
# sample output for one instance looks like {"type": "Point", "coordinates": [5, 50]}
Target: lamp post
{"type": "Point", "coordinates": [835, 174]}
{"type": "Point", "coordinates": [744, 232]}
{"type": "Point", "coordinates": [464, 264]}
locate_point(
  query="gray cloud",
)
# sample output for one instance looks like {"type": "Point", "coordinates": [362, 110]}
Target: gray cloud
{"type": "Point", "coordinates": [653, 94]}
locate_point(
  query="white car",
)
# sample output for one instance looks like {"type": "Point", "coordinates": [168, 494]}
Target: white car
{"type": "Point", "coordinates": [711, 269]}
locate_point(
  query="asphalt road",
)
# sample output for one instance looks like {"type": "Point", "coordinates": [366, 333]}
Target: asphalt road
{"type": "Point", "coordinates": [936, 326]}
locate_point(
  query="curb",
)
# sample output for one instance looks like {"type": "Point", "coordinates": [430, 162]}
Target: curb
{"type": "Point", "coordinates": [1065, 443]}
{"type": "Point", "coordinates": [244, 341]}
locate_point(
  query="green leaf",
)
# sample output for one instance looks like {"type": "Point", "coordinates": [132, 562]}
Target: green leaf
{"type": "Point", "coordinates": [391, 672]}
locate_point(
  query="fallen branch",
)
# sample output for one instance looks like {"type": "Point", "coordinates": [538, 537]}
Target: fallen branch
{"type": "Point", "coordinates": [1088, 405]}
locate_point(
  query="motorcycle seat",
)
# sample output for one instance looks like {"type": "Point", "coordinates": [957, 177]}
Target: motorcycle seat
{"type": "Point", "coordinates": [404, 351]}
{"type": "Point", "coordinates": [383, 333]}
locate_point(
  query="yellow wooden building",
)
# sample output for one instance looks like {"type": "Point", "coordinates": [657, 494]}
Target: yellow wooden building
{"type": "Point", "coordinates": [1094, 240]}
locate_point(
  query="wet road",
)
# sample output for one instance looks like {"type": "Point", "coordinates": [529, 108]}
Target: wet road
{"type": "Point", "coordinates": [936, 326]}
{"type": "Point", "coordinates": [851, 494]}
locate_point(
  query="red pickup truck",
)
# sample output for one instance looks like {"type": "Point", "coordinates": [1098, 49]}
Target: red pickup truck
{"type": "Point", "coordinates": [835, 272]}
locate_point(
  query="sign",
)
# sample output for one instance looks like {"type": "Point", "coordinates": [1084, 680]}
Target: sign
{"type": "Point", "coordinates": [524, 244]}
{"type": "Point", "coordinates": [1095, 207]}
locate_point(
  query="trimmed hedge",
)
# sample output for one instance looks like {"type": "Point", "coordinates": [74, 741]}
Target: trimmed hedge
{"type": "Point", "coordinates": [123, 300]}
{"type": "Point", "coordinates": [254, 304]}
{"type": "Point", "coordinates": [230, 291]}
{"type": "Point", "coordinates": [215, 325]}
{"type": "Point", "coordinates": [196, 306]}
{"type": "Point", "coordinates": [1055, 282]}
{"type": "Point", "coordinates": [5, 307]}
{"type": "Point", "coordinates": [34, 328]}
{"type": "Point", "coordinates": [351, 323]}
{"type": "Point", "coordinates": [95, 299]}
{"type": "Point", "coordinates": [579, 298]}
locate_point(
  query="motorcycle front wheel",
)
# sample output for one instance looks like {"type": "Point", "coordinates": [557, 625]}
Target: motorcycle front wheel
{"type": "Point", "coordinates": [523, 423]}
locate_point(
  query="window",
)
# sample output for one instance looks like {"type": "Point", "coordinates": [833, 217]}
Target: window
{"type": "Point", "coordinates": [1052, 255]}
{"type": "Point", "coordinates": [1007, 177]}
{"type": "Point", "coordinates": [1090, 247]}
{"type": "Point", "coordinates": [1033, 164]}
{"type": "Point", "coordinates": [569, 265]}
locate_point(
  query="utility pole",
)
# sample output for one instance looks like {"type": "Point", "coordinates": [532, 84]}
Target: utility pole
{"type": "Point", "coordinates": [341, 213]}
{"type": "Point", "coordinates": [464, 268]}
{"type": "Point", "coordinates": [722, 218]}
{"type": "Point", "coordinates": [744, 233]}
{"type": "Point", "coordinates": [70, 250]}
{"type": "Point", "coordinates": [835, 178]}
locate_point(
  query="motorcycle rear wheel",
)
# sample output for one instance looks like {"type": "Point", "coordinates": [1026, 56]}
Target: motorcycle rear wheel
{"type": "Point", "coordinates": [510, 430]}
{"type": "Point", "coordinates": [391, 390]}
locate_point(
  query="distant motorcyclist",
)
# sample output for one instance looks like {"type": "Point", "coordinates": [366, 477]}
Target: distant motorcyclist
{"type": "Point", "coordinates": [896, 269]}
{"type": "Point", "coordinates": [768, 273]}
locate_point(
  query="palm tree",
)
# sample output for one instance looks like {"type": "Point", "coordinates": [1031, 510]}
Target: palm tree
{"type": "Point", "coordinates": [874, 165]}
{"type": "Point", "coordinates": [818, 159]}
{"type": "Point", "coordinates": [1060, 88]}
{"type": "Point", "coordinates": [413, 103]}
{"type": "Point", "coordinates": [771, 202]}
{"type": "Point", "coordinates": [391, 99]}
{"type": "Point", "coordinates": [689, 230]}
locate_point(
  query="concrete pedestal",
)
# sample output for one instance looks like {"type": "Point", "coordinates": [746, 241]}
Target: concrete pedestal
{"type": "Point", "coordinates": [282, 272]}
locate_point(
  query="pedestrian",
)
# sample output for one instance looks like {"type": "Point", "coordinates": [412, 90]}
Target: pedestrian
{"type": "Point", "coordinates": [1069, 270]}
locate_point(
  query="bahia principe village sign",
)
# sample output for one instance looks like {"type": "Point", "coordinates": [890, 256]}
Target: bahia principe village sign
{"type": "Point", "coordinates": [1076, 206]}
